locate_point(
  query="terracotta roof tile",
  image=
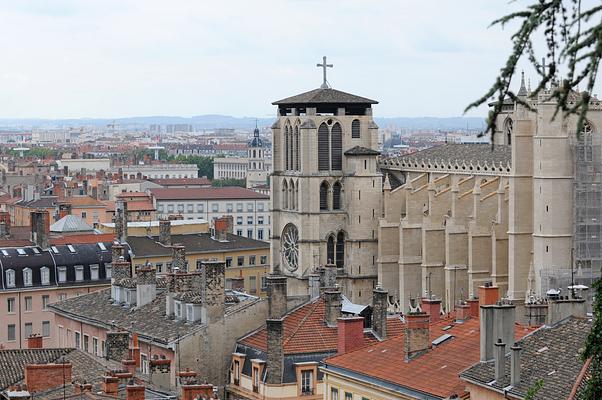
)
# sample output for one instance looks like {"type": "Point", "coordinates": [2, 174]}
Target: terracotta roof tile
{"type": "Point", "coordinates": [230, 192]}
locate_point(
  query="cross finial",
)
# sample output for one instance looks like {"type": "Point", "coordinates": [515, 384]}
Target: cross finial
{"type": "Point", "coordinates": [324, 65]}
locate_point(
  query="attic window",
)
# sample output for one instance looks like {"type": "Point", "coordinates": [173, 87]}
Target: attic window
{"type": "Point", "coordinates": [36, 250]}
{"type": "Point", "coordinates": [21, 252]}
{"type": "Point", "coordinates": [102, 246]}
{"type": "Point", "coordinates": [71, 248]}
{"type": "Point", "coordinates": [4, 252]}
{"type": "Point", "coordinates": [54, 250]}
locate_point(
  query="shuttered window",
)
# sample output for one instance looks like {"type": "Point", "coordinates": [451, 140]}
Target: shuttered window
{"type": "Point", "coordinates": [336, 138]}
{"type": "Point", "coordinates": [355, 129]}
{"type": "Point", "coordinates": [323, 148]}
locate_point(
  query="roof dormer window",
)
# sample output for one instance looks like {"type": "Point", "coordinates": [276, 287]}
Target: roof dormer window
{"type": "Point", "coordinates": [45, 275]}
{"type": "Point", "coordinates": [71, 248]}
{"type": "Point", "coordinates": [27, 277]}
{"type": "Point", "coordinates": [102, 246]}
{"type": "Point", "coordinates": [10, 278]}
{"type": "Point", "coordinates": [21, 252]}
{"type": "Point", "coordinates": [54, 249]}
{"type": "Point", "coordinates": [5, 253]}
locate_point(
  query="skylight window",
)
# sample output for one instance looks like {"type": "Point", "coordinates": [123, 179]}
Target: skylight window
{"type": "Point", "coordinates": [71, 248]}
{"type": "Point", "coordinates": [54, 250]}
{"type": "Point", "coordinates": [102, 246]}
{"type": "Point", "coordinates": [36, 250]}
{"type": "Point", "coordinates": [21, 252]}
{"type": "Point", "coordinates": [4, 252]}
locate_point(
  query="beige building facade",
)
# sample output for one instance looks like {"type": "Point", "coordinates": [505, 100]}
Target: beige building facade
{"type": "Point", "coordinates": [522, 215]}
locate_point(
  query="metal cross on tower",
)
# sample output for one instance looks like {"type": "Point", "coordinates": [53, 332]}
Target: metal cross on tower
{"type": "Point", "coordinates": [324, 65]}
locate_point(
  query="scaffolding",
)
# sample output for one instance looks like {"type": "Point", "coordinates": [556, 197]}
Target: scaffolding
{"type": "Point", "coordinates": [587, 212]}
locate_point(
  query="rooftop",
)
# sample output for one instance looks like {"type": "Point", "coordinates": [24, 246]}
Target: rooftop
{"type": "Point", "coordinates": [144, 246]}
{"type": "Point", "coordinates": [230, 192]}
{"type": "Point", "coordinates": [181, 181]}
{"type": "Point", "coordinates": [549, 353]}
{"type": "Point", "coordinates": [384, 362]}
{"type": "Point", "coordinates": [322, 96]}
{"type": "Point", "coordinates": [71, 223]}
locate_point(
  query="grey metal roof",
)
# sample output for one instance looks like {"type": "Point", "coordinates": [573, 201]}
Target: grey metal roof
{"type": "Point", "coordinates": [321, 96]}
{"type": "Point", "coordinates": [465, 152]}
{"type": "Point", "coordinates": [71, 223]}
{"type": "Point", "coordinates": [550, 353]}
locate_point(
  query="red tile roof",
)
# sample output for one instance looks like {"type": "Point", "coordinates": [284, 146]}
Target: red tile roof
{"type": "Point", "coordinates": [229, 192]}
{"type": "Point", "coordinates": [82, 201]}
{"type": "Point", "coordinates": [132, 194]}
{"type": "Point", "coordinates": [83, 238]}
{"type": "Point", "coordinates": [435, 372]}
{"type": "Point", "coordinates": [306, 332]}
{"type": "Point", "coordinates": [132, 206]}
{"type": "Point", "coordinates": [181, 181]}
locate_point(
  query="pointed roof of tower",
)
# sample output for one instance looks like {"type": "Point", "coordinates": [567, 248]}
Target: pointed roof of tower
{"type": "Point", "coordinates": [523, 89]}
{"type": "Point", "coordinates": [324, 96]}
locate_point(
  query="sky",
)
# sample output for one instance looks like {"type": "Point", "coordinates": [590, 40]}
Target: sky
{"type": "Point", "coordinates": [120, 58]}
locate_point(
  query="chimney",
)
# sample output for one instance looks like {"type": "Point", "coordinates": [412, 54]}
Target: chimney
{"type": "Point", "coordinates": [129, 365]}
{"type": "Point", "coordinates": [41, 377]}
{"type": "Point", "coordinates": [416, 339]}
{"type": "Point", "coordinates": [40, 228]}
{"type": "Point", "coordinates": [82, 387]}
{"type": "Point", "coordinates": [462, 312]}
{"type": "Point", "coordinates": [515, 365]}
{"type": "Point", "coordinates": [275, 353]}
{"type": "Point", "coordinates": [559, 309]}
{"type": "Point", "coordinates": [64, 210]}
{"type": "Point", "coordinates": [146, 285]}
{"type": "Point", "coordinates": [192, 391]}
{"type": "Point", "coordinates": [117, 251]}
{"type": "Point", "coordinates": [488, 294]}
{"type": "Point", "coordinates": [277, 296]}
{"type": "Point", "coordinates": [473, 305]}
{"type": "Point", "coordinates": [135, 350]}
{"type": "Point", "coordinates": [432, 307]}
{"type": "Point", "coordinates": [178, 258]}
{"type": "Point", "coordinates": [329, 276]}
{"type": "Point", "coordinates": [165, 232]}
{"type": "Point", "coordinates": [380, 303]}
{"type": "Point", "coordinates": [134, 391]}
{"type": "Point", "coordinates": [221, 227]}
{"type": "Point", "coordinates": [314, 286]}
{"type": "Point", "coordinates": [213, 290]}
{"type": "Point", "coordinates": [332, 306]}
{"type": "Point", "coordinates": [35, 341]}
{"type": "Point", "coordinates": [500, 360]}
{"type": "Point", "coordinates": [496, 322]}
{"type": "Point", "coordinates": [117, 346]}
{"type": "Point", "coordinates": [350, 331]}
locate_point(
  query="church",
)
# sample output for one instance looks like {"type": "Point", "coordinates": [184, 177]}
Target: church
{"type": "Point", "coordinates": [524, 214]}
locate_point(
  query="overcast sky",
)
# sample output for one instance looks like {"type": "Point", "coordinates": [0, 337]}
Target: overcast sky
{"type": "Point", "coordinates": [117, 58]}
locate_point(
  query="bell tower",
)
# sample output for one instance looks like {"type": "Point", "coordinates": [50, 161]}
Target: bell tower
{"type": "Point", "coordinates": [257, 173]}
{"type": "Point", "coordinates": [326, 189]}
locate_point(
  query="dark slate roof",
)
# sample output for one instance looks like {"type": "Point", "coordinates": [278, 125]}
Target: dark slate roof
{"type": "Point", "coordinates": [322, 96]}
{"type": "Point", "coordinates": [13, 361]}
{"type": "Point", "coordinates": [42, 202]}
{"type": "Point", "coordinates": [149, 321]}
{"type": "Point", "coordinates": [144, 246]}
{"type": "Point", "coordinates": [450, 153]}
{"type": "Point", "coordinates": [550, 353]}
{"type": "Point", "coordinates": [361, 151]}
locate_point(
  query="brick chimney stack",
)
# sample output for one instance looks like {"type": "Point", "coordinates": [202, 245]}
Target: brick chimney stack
{"type": "Point", "coordinates": [416, 339]}
{"type": "Point", "coordinates": [350, 331]}
{"type": "Point", "coordinates": [432, 307]}
{"type": "Point", "coordinates": [35, 341]}
{"type": "Point", "coordinates": [380, 303]}
{"type": "Point", "coordinates": [222, 226]}
{"type": "Point", "coordinates": [134, 391]}
{"type": "Point", "coordinates": [40, 228]}
{"type": "Point", "coordinates": [165, 232]}
{"type": "Point", "coordinates": [275, 351]}
{"type": "Point", "coordinates": [41, 377]}
{"type": "Point", "coordinates": [213, 289]}
{"type": "Point", "coordinates": [277, 296]}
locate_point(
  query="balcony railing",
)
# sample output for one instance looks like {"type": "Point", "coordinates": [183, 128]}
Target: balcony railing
{"type": "Point", "coordinates": [307, 391]}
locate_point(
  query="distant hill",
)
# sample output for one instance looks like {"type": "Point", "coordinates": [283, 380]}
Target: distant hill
{"type": "Point", "coordinates": [225, 121]}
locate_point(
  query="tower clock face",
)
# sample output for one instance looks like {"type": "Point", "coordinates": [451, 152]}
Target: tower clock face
{"type": "Point", "coordinates": [290, 247]}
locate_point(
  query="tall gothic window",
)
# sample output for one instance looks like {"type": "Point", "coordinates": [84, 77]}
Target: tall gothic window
{"type": "Point", "coordinates": [286, 148]}
{"type": "Point", "coordinates": [336, 196]}
{"type": "Point", "coordinates": [355, 129]}
{"type": "Point", "coordinates": [292, 194]}
{"type": "Point", "coordinates": [284, 195]}
{"type": "Point", "coordinates": [297, 149]}
{"type": "Point", "coordinates": [340, 250]}
{"type": "Point", "coordinates": [330, 250]}
{"type": "Point", "coordinates": [336, 139]}
{"type": "Point", "coordinates": [324, 196]}
{"type": "Point", "coordinates": [508, 126]}
{"type": "Point", "coordinates": [323, 148]}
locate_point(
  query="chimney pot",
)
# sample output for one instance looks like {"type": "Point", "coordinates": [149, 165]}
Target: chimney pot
{"type": "Point", "coordinates": [488, 294]}
{"type": "Point", "coordinates": [432, 307]}
{"type": "Point", "coordinates": [332, 305]}
{"type": "Point", "coordinates": [500, 360]}
{"type": "Point", "coordinates": [515, 365]}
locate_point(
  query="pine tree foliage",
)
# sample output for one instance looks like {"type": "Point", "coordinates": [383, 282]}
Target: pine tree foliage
{"type": "Point", "coordinates": [573, 38]}
{"type": "Point", "coordinates": [593, 349]}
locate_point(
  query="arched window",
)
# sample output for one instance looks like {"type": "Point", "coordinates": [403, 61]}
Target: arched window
{"type": "Point", "coordinates": [340, 250]}
{"type": "Point", "coordinates": [336, 140]}
{"type": "Point", "coordinates": [508, 126]}
{"type": "Point", "coordinates": [292, 195]}
{"type": "Point", "coordinates": [336, 196]}
{"type": "Point", "coordinates": [27, 277]}
{"type": "Point", "coordinates": [45, 275]}
{"type": "Point", "coordinates": [323, 148]}
{"type": "Point", "coordinates": [324, 196]}
{"type": "Point", "coordinates": [355, 129]}
{"type": "Point", "coordinates": [296, 195]}
{"type": "Point", "coordinates": [297, 149]}
{"type": "Point", "coordinates": [330, 250]}
{"type": "Point", "coordinates": [10, 278]}
{"type": "Point", "coordinates": [284, 195]}
{"type": "Point", "coordinates": [286, 150]}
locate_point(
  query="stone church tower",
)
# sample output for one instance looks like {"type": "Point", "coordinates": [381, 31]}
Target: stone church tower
{"type": "Point", "coordinates": [326, 190]}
